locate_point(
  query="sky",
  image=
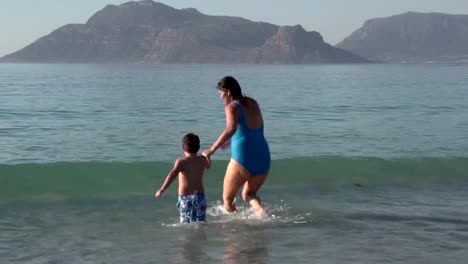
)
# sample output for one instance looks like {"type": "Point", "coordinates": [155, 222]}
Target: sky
{"type": "Point", "coordinates": [24, 21]}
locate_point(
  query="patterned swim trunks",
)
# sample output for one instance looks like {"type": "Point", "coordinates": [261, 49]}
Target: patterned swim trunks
{"type": "Point", "coordinates": [192, 208]}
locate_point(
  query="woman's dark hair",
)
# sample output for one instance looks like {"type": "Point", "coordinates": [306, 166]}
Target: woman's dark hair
{"type": "Point", "coordinates": [191, 143]}
{"type": "Point", "coordinates": [230, 84]}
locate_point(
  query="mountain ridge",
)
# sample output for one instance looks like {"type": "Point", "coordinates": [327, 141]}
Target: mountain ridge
{"type": "Point", "coordinates": [411, 37]}
{"type": "Point", "coordinates": [152, 32]}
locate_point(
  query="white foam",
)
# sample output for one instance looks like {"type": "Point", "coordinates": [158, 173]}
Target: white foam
{"type": "Point", "coordinates": [274, 214]}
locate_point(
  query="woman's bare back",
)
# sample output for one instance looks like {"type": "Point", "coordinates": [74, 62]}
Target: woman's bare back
{"type": "Point", "coordinates": [253, 115]}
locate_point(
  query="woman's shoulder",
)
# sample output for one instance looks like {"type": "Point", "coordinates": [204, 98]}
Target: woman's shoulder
{"type": "Point", "coordinates": [231, 107]}
{"type": "Point", "coordinates": [250, 100]}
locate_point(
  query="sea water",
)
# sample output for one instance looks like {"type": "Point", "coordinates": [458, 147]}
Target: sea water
{"type": "Point", "coordinates": [370, 164]}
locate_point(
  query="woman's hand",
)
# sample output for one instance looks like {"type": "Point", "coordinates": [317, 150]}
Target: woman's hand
{"type": "Point", "coordinates": [208, 152]}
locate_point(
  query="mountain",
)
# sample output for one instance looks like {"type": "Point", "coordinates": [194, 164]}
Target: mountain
{"type": "Point", "coordinates": [295, 45]}
{"type": "Point", "coordinates": [151, 32]}
{"type": "Point", "coordinates": [412, 37]}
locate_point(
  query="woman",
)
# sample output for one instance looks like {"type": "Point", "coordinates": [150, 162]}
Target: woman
{"type": "Point", "coordinates": [250, 156]}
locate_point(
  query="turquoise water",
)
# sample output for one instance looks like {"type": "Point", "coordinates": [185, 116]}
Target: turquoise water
{"type": "Point", "coordinates": [370, 164]}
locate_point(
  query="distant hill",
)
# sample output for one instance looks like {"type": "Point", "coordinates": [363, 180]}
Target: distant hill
{"type": "Point", "coordinates": [151, 32]}
{"type": "Point", "coordinates": [412, 37]}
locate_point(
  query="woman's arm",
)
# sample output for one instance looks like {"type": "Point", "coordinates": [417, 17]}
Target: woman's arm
{"type": "Point", "coordinates": [225, 145]}
{"type": "Point", "coordinates": [232, 114]}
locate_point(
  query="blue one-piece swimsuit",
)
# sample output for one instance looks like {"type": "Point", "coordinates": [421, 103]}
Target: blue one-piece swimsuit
{"type": "Point", "coordinates": [249, 147]}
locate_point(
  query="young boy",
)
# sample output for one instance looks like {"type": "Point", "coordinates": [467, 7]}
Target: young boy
{"type": "Point", "coordinates": [191, 203]}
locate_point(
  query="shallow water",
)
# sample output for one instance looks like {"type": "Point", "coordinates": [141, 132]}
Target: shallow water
{"type": "Point", "coordinates": [304, 225]}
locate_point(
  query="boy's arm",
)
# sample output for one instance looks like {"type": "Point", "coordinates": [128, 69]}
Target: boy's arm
{"type": "Point", "coordinates": [208, 162]}
{"type": "Point", "coordinates": [170, 177]}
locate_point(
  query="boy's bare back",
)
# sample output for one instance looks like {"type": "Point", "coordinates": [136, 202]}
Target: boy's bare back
{"type": "Point", "coordinates": [192, 169]}
{"type": "Point", "coordinates": [189, 169]}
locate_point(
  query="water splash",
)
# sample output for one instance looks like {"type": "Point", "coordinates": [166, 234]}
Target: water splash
{"type": "Point", "coordinates": [274, 213]}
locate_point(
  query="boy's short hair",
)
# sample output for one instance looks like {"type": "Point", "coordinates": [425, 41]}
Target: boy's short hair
{"type": "Point", "coordinates": [191, 143]}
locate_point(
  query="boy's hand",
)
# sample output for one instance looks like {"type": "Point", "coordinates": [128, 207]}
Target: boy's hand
{"type": "Point", "coordinates": [158, 193]}
{"type": "Point", "coordinates": [208, 162]}
{"type": "Point", "coordinates": [207, 153]}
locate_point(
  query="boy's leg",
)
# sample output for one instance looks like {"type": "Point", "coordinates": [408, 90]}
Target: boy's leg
{"type": "Point", "coordinates": [201, 208]}
{"type": "Point", "coordinates": [184, 207]}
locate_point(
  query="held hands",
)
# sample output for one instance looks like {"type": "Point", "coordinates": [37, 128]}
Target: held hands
{"type": "Point", "coordinates": [207, 153]}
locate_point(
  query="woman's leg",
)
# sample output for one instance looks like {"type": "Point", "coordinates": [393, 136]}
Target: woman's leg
{"type": "Point", "coordinates": [249, 193]}
{"type": "Point", "coordinates": [236, 176]}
